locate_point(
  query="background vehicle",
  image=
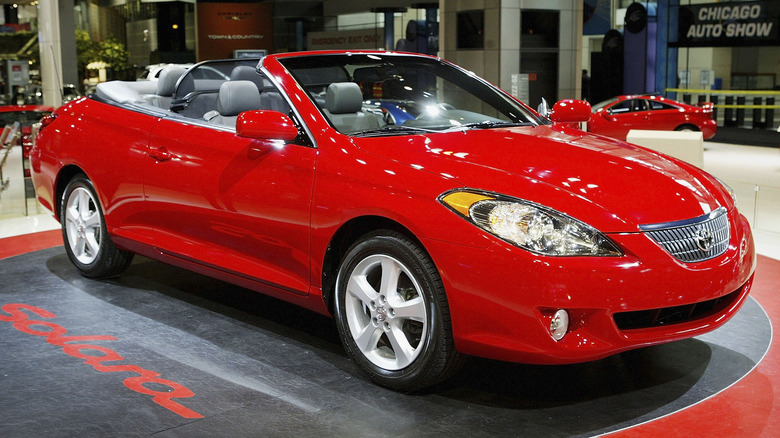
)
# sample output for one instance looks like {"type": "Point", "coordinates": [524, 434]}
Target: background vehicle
{"type": "Point", "coordinates": [34, 94]}
{"type": "Point", "coordinates": [472, 227]}
{"type": "Point", "coordinates": [615, 117]}
{"type": "Point", "coordinates": [26, 115]}
{"type": "Point", "coordinates": [152, 72]}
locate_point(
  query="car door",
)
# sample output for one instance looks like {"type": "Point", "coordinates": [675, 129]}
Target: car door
{"type": "Point", "coordinates": [230, 203]}
{"type": "Point", "coordinates": [663, 117]}
{"type": "Point", "coordinates": [624, 116]}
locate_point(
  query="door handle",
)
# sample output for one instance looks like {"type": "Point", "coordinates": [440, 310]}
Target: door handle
{"type": "Point", "coordinates": [160, 154]}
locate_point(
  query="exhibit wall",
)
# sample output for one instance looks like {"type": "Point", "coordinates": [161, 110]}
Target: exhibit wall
{"type": "Point", "coordinates": [225, 27]}
{"type": "Point", "coordinates": [503, 50]}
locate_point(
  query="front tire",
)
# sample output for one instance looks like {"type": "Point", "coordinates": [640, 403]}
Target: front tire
{"type": "Point", "coordinates": [392, 313]}
{"type": "Point", "coordinates": [87, 243]}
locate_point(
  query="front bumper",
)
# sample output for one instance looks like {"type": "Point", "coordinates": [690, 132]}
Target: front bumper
{"type": "Point", "coordinates": [502, 298]}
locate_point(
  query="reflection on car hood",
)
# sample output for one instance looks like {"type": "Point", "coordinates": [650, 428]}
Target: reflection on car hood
{"type": "Point", "coordinates": [612, 185]}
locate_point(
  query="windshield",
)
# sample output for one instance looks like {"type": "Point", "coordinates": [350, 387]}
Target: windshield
{"type": "Point", "coordinates": [379, 94]}
{"type": "Point", "coordinates": [603, 104]}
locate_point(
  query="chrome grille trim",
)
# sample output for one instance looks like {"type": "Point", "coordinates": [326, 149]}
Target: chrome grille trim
{"type": "Point", "coordinates": [693, 240]}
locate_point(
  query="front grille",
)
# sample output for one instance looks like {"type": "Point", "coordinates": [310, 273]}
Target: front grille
{"type": "Point", "coordinates": [693, 240]}
{"type": "Point", "coordinates": [674, 315]}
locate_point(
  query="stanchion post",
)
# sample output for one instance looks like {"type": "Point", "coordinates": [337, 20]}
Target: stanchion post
{"type": "Point", "coordinates": [757, 113]}
{"type": "Point", "coordinates": [728, 118]}
{"type": "Point", "coordinates": [714, 100]}
{"type": "Point", "coordinates": [740, 111]}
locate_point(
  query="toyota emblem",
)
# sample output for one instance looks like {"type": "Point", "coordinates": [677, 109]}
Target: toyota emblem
{"type": "Point", "coordinates": [704, 239]}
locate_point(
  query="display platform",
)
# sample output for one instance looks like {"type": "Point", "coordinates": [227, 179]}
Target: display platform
{"type": "Point", "coordinates": [167, 352]}
{"type": "Point", "coordinates": [744, 136]}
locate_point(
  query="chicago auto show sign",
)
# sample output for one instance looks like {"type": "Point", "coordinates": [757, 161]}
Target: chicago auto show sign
{"type": "Point", "coordinates": [729, 24]}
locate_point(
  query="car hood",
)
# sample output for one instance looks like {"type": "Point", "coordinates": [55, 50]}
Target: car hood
{"type": "Point", "coordinates": [612, 185]}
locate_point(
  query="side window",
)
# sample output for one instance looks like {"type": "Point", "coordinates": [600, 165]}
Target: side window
{"type": "Point", "coordinates": [655, 105]}
{"type": "Point", "coordinates": [271, 98]}
{"type": "Point", "coordinates": [638, 105]}
{"type": "Point", "coordinates": [629, 106]}
{"type": "Point", "coordinates": [8, 118]}
{"type": "Point", "coordinates": [620, 107]}
{"type": "Point", "coordinates": [246, 90]}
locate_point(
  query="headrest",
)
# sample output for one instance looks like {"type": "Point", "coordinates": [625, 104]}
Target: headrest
{"type": "Point", "coordinates": [236, 97]}
{"type": "Point", "coordinates": [343, 97]}
{"type": "Point", "coordinates": [166, 83]}
{"type": "Point", "coordinates": [247, 73]}
{"type": "Point", "coordinates": [243, 73]}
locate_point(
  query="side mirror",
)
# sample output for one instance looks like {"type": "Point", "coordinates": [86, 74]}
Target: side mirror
{"type": "Point", "coordinates": [265, 125]}
{"type": "Point", "coordinates": [570, 111]}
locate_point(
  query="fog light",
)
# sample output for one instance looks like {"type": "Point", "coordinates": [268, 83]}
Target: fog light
{"type": "Point", "coordinates": [559, 325]}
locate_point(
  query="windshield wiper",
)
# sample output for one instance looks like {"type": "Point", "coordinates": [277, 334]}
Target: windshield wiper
{"type": "Point", "coordinates": [390, 130]}
{"type": "Point", "coordinates": [487, 124]}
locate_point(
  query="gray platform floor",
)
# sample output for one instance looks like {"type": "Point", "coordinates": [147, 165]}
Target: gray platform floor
{"type": "Point", "coordinates": [260, 367]}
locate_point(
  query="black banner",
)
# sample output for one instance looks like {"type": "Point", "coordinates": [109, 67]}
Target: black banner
{"type": "Point", "coordinates": [730, 24]}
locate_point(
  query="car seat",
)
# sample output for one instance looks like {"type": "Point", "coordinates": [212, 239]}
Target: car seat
{"type": "Point", "coordinates": [234, 98]}
{"type": "Point", "coordinates": [166, 84]}
{"type": "Point", "coordinates": [344, 108]}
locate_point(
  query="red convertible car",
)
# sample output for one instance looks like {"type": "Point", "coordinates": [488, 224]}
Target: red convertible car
{"type": "Point", "coordinates": [474, 227]}
{"type": "Point", "coordinates": [615, 117]}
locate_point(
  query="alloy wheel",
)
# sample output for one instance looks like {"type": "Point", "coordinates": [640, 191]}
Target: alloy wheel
{"type": "Point", "coordinates": [83, 225]}
{"type": "Point", "coordinates": [386, 312]}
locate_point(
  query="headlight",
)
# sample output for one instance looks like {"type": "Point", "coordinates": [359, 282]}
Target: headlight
{"type": "Point", "coordinates": [530, 226]}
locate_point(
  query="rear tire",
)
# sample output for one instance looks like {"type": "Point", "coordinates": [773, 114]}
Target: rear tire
{"type": "Point", "coordinates": [87, 243]}
{"type": "Point", "coordinates": [392, 313]}
{"type": "Point", "coordinates": [687, 128]}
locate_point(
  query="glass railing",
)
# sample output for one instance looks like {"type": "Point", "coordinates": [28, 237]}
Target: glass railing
{"type": "Point", "coordinates": [760, 203]}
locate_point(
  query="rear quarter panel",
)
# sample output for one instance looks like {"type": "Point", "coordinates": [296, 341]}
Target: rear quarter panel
{"type": "Point", "coordinates": [106, 143]}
